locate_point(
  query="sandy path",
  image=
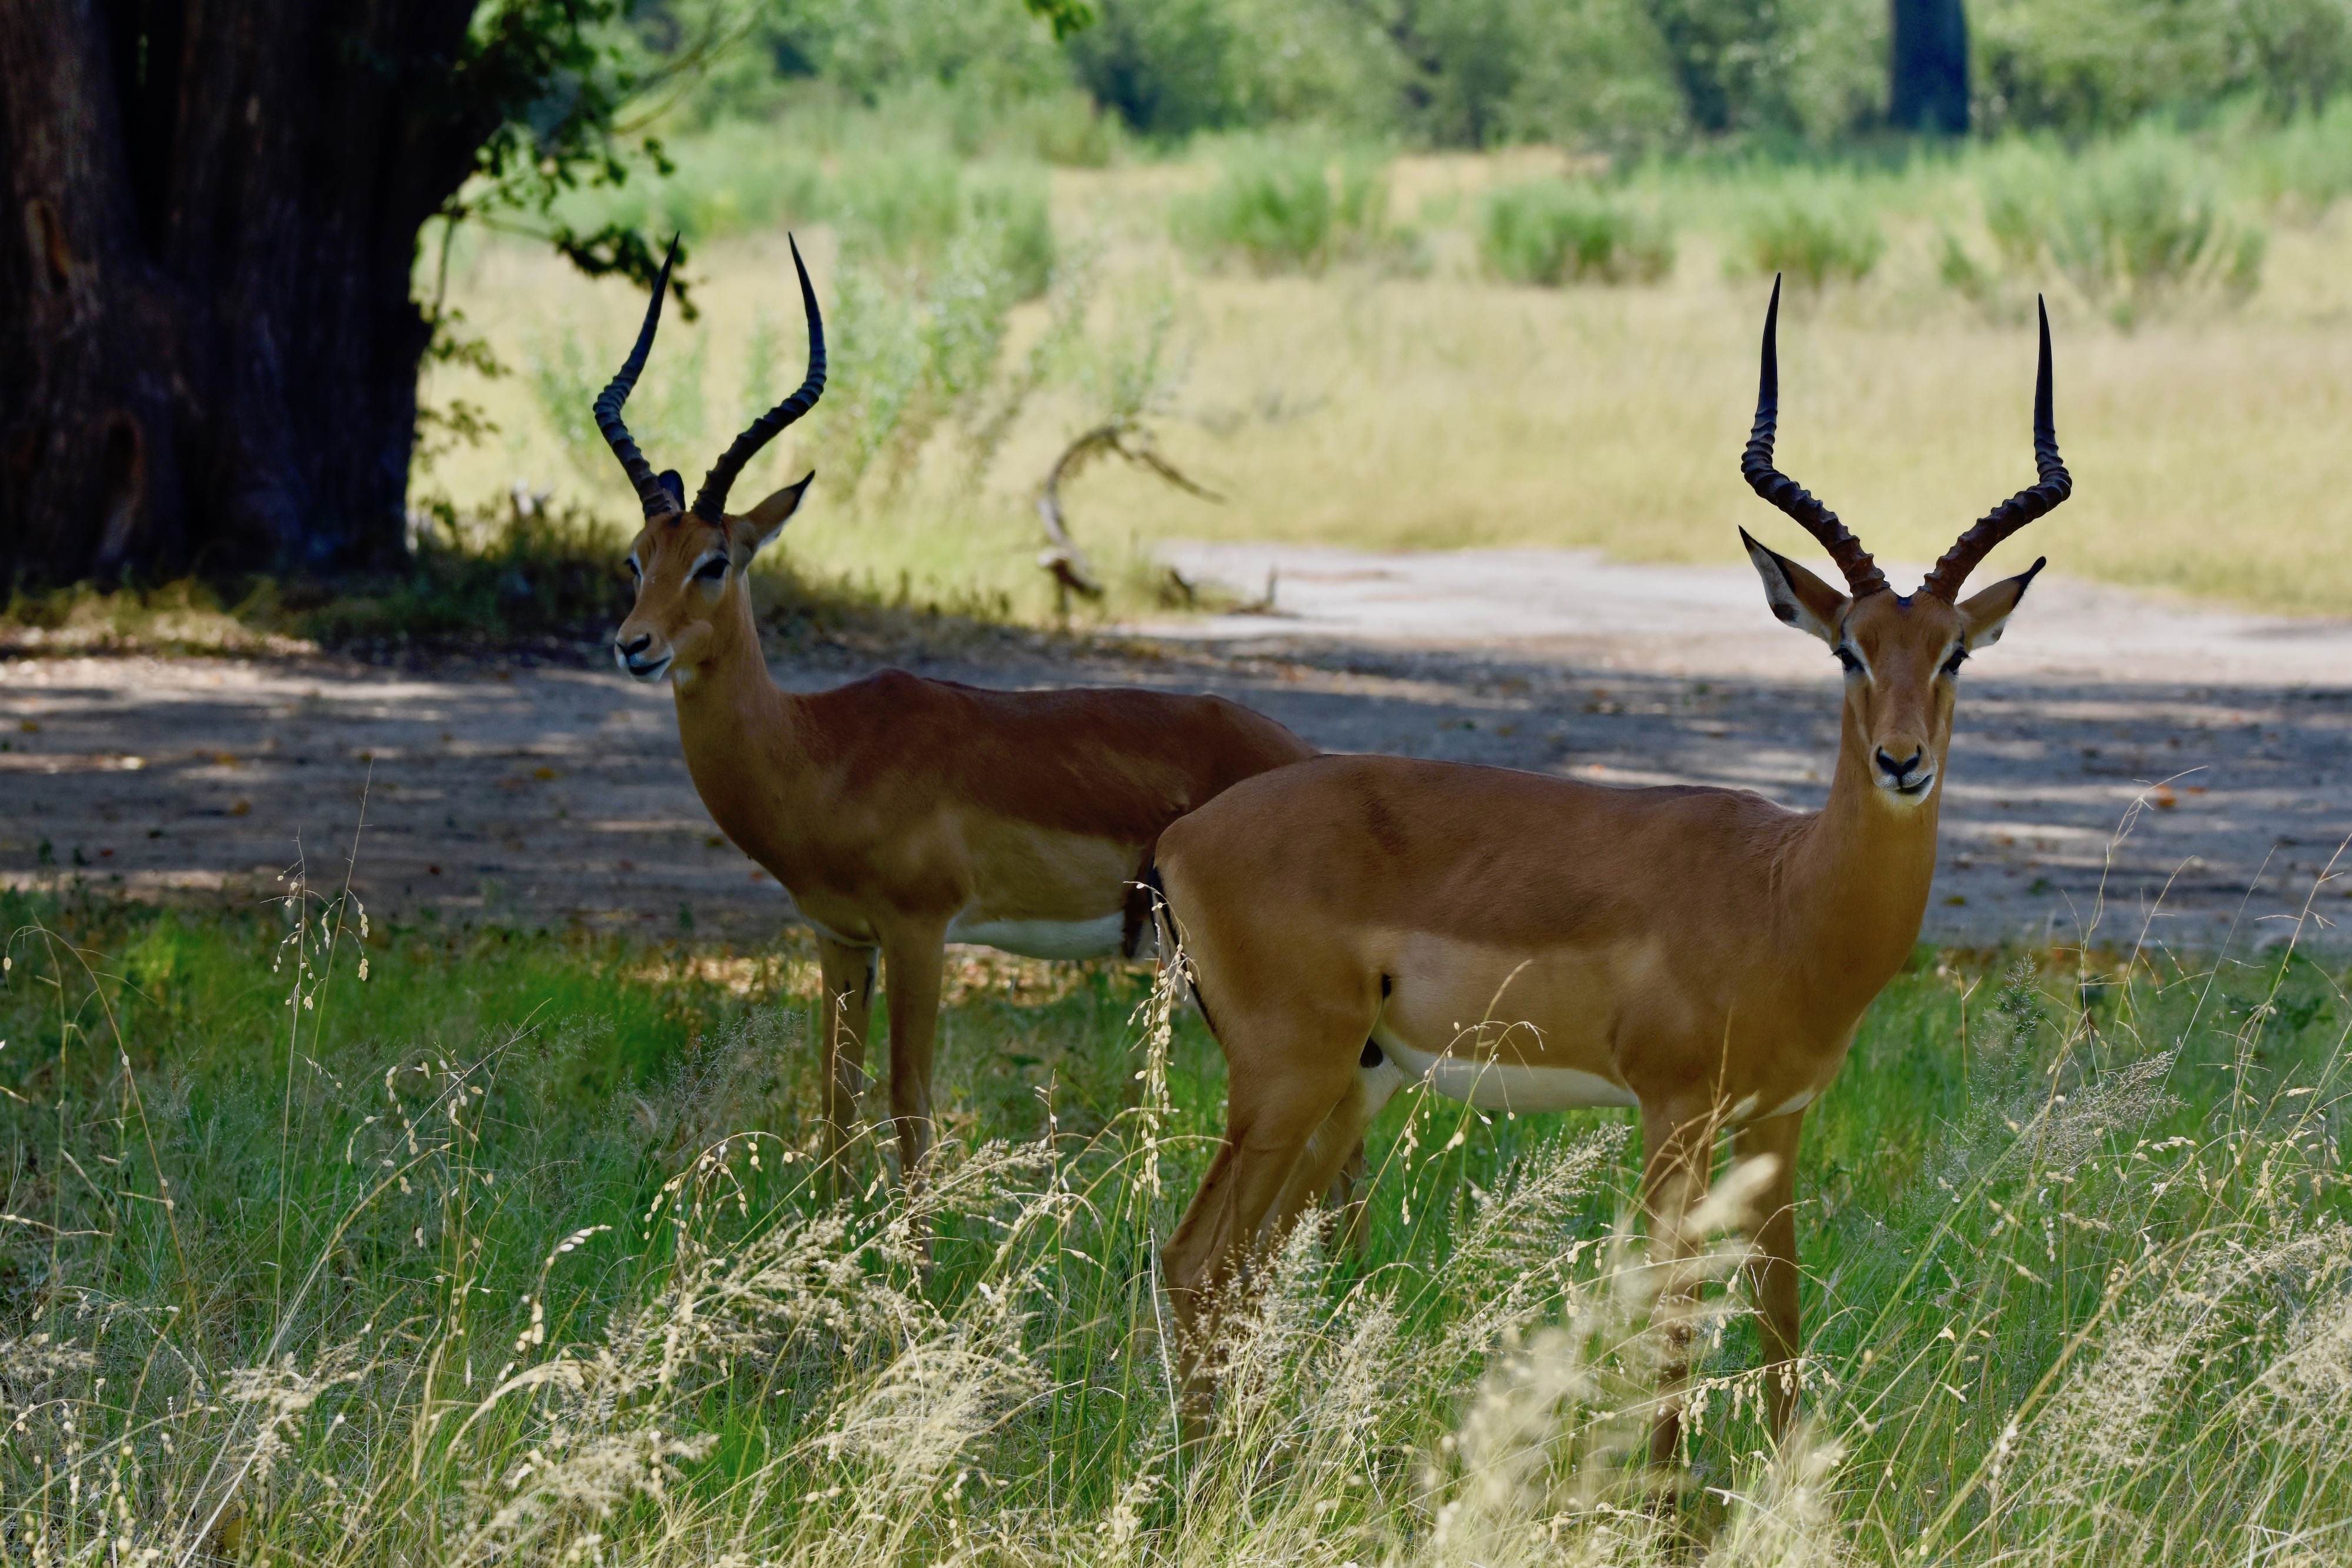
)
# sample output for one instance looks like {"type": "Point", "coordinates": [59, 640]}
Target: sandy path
{"type": "Point", "coordinates": [548, 796]}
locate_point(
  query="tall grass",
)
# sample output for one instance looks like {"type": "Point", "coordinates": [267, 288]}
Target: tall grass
{"type": "Point", "coordinates": [340, 1245]}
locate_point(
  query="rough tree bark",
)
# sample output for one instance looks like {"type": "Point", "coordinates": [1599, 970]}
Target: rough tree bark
{"type": "Point", "coordinates": [1929, 71]}
{"type": "Point", "coordinates": [209, 344]}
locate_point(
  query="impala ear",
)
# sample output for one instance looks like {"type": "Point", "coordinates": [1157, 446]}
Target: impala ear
{"type": "Point", "coordinates": [1985, 614]}
{"type": "Point", "coordinates": [766, 520]}
{"type": "Point", "coordinates": [1797, 596]}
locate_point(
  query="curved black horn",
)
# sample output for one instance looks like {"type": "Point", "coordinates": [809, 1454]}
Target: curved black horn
{"type": "Point", "coordinates": [658, 500]}
{"type": "Point", "coordinates": [2036, 501]}
{"type": "Point", "coordinates": [711, 501]}
{"type": "Point", "coordinates": [1862, 575]}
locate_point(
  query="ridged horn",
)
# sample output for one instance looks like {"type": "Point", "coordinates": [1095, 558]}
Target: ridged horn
{"type": "Point", "coordinates": [658, 500]}
{"type": "Point", "coordinates": [1862, 575]}
{"type": "Point", "coordinates": [711, 501]}
{"type": "Point", "coordinates": [2036, 501]}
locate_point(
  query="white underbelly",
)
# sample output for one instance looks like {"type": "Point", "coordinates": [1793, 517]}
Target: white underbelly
{"type": "Point", "coordinates": [1502, 1085]}
{"type": "Point", "coordinates": [1093, 938]}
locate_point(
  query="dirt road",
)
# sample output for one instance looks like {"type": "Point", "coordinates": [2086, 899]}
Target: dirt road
{"type": "Point", "coordinates": [545, 796]}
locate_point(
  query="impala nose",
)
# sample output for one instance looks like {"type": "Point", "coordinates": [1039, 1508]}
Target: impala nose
{"type": "Point", "coordinates": [632, 656]}
{"type": "Point", "coordinates": [1907, 776]}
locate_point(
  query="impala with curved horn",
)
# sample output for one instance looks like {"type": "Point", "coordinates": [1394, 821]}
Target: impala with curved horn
{"type": "Point", "coordinates": [902, 813]}
{"type": "Point", "coordinates": [1702, 955]}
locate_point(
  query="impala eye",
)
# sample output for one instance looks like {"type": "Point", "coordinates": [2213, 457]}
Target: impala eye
{"type": "Point", "coordinates": [713, 569]}
{"type": "Point", "coordinates": [636, 572]}
{"type": "Point", "coordinates": [1847, 658]}
{"type": "Point", "coordinates": [1952, 665]}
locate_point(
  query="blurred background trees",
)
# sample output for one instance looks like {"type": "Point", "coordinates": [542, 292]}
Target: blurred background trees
{"type": "Point", "coordinates": [1607, 73]}
{"type": "Point", "coordinates": [231, 227]}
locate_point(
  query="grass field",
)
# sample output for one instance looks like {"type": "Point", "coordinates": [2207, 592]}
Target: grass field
{"type": "Point", "coordinates": [327, 1243]}
{"type": "Point", "coordinates": [1351, 371]}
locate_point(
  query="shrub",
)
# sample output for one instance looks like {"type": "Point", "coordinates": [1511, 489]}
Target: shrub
{"type": "Point", "coordinates": [2130, 226]}
{"type": "Point", "coordinates": [2306, 165]}
{"type": "Point", "coordinates": [1814, 236]}
{"type": "Point", "coordinates": [911, 208]}
{"type": "Point", "coordinates": [1285, 210]}
{"type": "Point", "coordinates": [1550, 232]}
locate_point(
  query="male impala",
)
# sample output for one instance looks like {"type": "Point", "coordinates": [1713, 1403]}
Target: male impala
{"type": "Point", "coordinates": [903, 813]}
{"type": "Point", "coordinates": [1352, 924]}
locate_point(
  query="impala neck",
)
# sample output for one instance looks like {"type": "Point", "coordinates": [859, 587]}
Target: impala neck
{"type": "Point", "coordinates": [727, 695]}
{"type": "Point", "coordinates": [1856, 888]}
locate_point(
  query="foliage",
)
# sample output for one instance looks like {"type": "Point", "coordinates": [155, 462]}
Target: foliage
{"type": "Point", "coordinates": [2084, 66]}
{"type": "Point", "coordinates": [1553, 231]}
{"type": "Point", "coordinates": [483, 1245]}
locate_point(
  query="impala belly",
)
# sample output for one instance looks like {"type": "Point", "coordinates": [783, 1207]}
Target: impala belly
{"type": "Point", "coordinates": [1092, 938]}
{"type": "Point", "coordinates": [1044, 894]}
{"type": "Point", "coordinates": [1501, 1085]}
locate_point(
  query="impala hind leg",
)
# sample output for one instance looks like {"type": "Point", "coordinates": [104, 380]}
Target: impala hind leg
{"type": "Point", "coordinates": [912, 961]}
{"type": "Point", "coordinates": [1268, 1129]}
{"type": "Point", "coordinates": [1679, 1149]}
{"type": "Point", "coordinates": [847, 976]}
{"type": "Point", "coordinates": [1772, 1270]}
{"type": "Point", "coordinates": [1376, 1078]}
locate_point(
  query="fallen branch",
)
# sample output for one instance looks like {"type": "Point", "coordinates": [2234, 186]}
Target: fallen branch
{"type": "Point", "coordinates": [1062, 560]}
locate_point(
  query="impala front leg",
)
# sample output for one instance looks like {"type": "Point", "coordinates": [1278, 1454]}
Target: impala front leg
{"type": "Point", "coordinates": [847, 976]}
{"type": "Point", "coordinates": [1772, 1270]}
{"type": "Point", "coordinates": [913, 959]}
{"type": "Point", "coordinates": [1680, 1148]}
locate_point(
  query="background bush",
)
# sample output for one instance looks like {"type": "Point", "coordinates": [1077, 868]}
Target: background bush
{"type": "Point", "coordinates": [1277, 208]}
{"type": "Point", "coordinates": [1551, 232]}
{"type": "Point", "coordinates": [2129, 227]}
{"type": "Point", "coordinates": [1813, 233]}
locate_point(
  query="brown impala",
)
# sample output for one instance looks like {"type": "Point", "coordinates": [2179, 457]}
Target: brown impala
{"type": "Point", "coordinates": [901, 813]}
{"type": "Point", "coordinates": [1354, 924]}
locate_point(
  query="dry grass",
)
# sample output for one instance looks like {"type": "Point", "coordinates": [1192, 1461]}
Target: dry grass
{"type": "Point", "coordinates": [1370, 408]}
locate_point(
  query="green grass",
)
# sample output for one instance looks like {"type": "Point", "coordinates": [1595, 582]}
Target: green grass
{"type": "Point", "coordinates": [505, 1248]}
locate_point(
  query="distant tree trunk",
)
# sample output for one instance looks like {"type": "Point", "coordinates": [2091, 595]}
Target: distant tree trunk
{"type": "Point", "coordinates": [208, 349]}
{"type": "Point", "coordinates": [1930, 67]}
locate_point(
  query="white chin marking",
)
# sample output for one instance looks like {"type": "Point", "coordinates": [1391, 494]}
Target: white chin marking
{"type": "Point", "coordinates": [1047, 938]}
{"type": "Point", "coordinates": [1503, 1085]}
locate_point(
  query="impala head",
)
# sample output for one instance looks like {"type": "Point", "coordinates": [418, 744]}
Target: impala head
{"type": "Point", "coordinates": [1901, 653]}
{"type": "Point", "coordinates": [689, 559]}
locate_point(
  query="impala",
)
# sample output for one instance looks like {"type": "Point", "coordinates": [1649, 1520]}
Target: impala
{"type": "Point", "coordinates": [900, 813]}
{"type": "Point", "coordinates": [1702, 955]}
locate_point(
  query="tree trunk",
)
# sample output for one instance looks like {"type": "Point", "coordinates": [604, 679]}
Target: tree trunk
{"type": "Point", "coordinates": [205, 320]}
{"type": "Point", "coordinates": [1929, 70]}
